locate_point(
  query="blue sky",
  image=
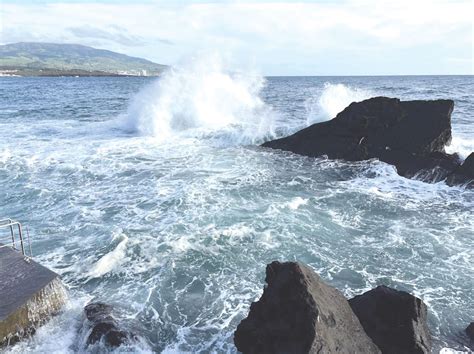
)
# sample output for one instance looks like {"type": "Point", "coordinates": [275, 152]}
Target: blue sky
{"type": "Point", "coordinates": [364, 37]}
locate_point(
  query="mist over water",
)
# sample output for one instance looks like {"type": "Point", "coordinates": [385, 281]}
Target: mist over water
{"type": "Point", "coordinates": [154, 196]}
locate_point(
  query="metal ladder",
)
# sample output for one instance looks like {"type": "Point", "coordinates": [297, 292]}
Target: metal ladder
{"type": "Point", "coordinates": [15, 239]}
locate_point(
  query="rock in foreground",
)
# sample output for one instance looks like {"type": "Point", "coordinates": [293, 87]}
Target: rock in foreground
{"type": "Point", "coordinates": [104, 326]}
{"type": "Point", "coordinates": [411, 135]}
{"type": "Point", "coordinates": [299, 313]}
{"type": "Point", "coordinates": [395, 320]}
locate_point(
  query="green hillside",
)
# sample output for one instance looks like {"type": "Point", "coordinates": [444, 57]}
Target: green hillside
{"type": "Point", "coordinates": [47, 57]}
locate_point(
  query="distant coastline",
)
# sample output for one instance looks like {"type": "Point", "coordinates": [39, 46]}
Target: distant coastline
{"type": "Point", "coordinates": [59, 59]}
{"type": "Point", "coordinates": [48, 72]}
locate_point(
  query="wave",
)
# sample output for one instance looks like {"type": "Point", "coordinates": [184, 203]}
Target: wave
{"type": "Point", "coordinates": [331, 100]}
{"type": "Point", "coordinates": [463, 147]}
{"type": "Point", "coordinates": [201, 98]}
{"type": "Point", "coordinates": [111, 260]}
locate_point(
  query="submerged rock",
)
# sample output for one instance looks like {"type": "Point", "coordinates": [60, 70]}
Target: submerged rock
{"type": "Point", "coordinates": [299, 313]}
{"type": "Point", "coordinates": [411, 135]}
{"type": "Point", "coordinates": [395, 320]}
{"type": "Point", "coordinates": [104, 326]}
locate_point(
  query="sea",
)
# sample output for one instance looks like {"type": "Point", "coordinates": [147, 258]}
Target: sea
{"type": "Point", "coordinates": [153, 195]}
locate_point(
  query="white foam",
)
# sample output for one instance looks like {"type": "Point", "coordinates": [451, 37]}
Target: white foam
{"type": "Point", "coordinates": [111, 260]}
{"type": "Point", "coordinates": [181, 244]}
{"type": "Point", "coordinates": [461, 146]}
{"type": "Point", "coordinates": [201, 97]}
{"type": "Point", "coordinates": [296, 202]}
{"type": "Point", "coordinates": [5, 155]}
{"type": "Point", "coordinates": [453, 351]}
{"type": "Point", "coordinates": [332, 100]}
{"type": "Point", "coordinates": [58, 335]}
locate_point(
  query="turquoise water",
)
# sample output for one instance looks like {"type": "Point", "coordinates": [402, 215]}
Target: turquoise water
{"type": "Point", "coordinates": [154, 196]}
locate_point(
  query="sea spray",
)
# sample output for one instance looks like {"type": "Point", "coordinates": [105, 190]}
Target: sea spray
{"type": "Point", "coordinates": [202, 98]}
{"type": "Point", "coordinates": [331, 100]}
{"type": "Point", "coordinates": [463, 147]}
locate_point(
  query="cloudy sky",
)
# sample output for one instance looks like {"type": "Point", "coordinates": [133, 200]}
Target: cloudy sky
{"type": "Point", "coordinates": [340, 37]}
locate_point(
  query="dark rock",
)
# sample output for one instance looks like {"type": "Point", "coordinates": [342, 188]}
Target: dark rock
{"type": "Point", "coordinates": [433, 167]}
{"type": "Point", "coordinates": [299, 313]}
{"type": "Point", "coordinates": [463, 174]}
{"type": "Point", "coordinates": [470, 331]}
{"type": "Point", "coordinates": [395, 320]}
{"type": "Point", "coordinates": [104, 326]}
{"type": "Point", "coordinates": [108, 330]}
{"type": "Point", "coordinates": [97, 311]}
{"type": "Point", "coordinates": [411, 135]}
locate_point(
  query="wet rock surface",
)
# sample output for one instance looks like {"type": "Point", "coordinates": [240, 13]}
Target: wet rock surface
{"type": "Point", "coordinates": [411, 135]}
{"type": "Point", "coordinates": [299, 313]}
{"type": "Point", "coordinates": [395, 320]}
{"type": "Point", "coordinates": [463, 174]}
{"type": "Point", "coordinates": [104, 326]}
{"type": "Point", "coordinates": [470, 332]}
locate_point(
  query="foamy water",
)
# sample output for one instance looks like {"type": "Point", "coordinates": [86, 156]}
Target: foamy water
{"type": "Point", "coordinates": [153, 195]}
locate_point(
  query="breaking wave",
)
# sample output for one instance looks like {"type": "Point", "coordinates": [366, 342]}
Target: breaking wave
{"type": "Point", "coordinates": [200, 98]}
{"type": "Point", "coordinates": [331, 100]}
{"type": "Point", "coordinates": [110, 260]}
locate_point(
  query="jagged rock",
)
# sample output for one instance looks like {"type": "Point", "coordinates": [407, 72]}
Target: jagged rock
{"type": "Point", "coordinates": [411, 135]}
{"type": "Point", "coordinates": [463, 174]}
{"type": "Point", "coordinates": [395, 320]}
{"type": "Point", "coordinates": [299, 313]}
{"type": "Point", "coordinates": [104, 326]}
{"type": "Point", "coordinates": [470, 331]}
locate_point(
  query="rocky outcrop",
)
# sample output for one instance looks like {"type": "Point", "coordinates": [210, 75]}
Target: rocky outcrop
{"type": "Point", "coordinates": [395, 320]}
{"type": "Point", "coordinates": [104, 326]}
{"type": "Point", "coordinates": [470, 331]}
{"type": "Point", "coordinates": [463, 174]}
{"type": "Point", "coordinates": [299, 313]}
{"type": "Point", "coordinates": [411, 135]}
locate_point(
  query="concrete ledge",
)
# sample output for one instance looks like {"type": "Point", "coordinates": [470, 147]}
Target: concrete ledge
{"type": "Point", "coordinates": [29, 295]}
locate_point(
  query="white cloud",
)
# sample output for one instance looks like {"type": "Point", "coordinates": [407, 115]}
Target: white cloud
{"type": "Point", "coordinates": [367, 37]}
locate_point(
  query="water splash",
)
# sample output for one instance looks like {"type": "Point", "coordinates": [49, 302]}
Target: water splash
{"type": "Point", "coordinates": [332, 100]}
{"type": "Point", "coordinates": [202, 98]}
{"type": "Point", "coordinates": [111, 260]}
{"type": "Point", "coordinates": [463, 147]}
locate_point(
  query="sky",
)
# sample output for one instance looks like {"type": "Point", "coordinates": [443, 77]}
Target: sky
{"type": "Point", "coordinates": [340, 37]}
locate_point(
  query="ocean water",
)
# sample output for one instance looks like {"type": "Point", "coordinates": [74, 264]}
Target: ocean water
{"type": "Point", "coordinates": [153, 195]}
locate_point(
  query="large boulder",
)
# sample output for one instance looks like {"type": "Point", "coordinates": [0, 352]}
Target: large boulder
{"type": "Point", "coordinates": [299, 313]}
{"type": "Point", "coordinates": [103, 325]}
{"type": "Point", "coordinates": [395, 320]}
{"type": "Point", "coordinates": [411, 135]}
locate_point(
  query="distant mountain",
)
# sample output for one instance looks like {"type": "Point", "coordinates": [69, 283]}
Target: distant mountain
{"type": "Point", "coordinates": [52, 59]}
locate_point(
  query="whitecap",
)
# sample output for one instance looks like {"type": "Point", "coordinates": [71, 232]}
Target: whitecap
{"type": "Point", "coordinates": [111, 260]}
{"type": "Point", "coordinates": [296, 202]}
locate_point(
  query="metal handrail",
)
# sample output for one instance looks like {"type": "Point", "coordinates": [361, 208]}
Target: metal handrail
{"type": "Point", "coordinates": [12, 224]}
